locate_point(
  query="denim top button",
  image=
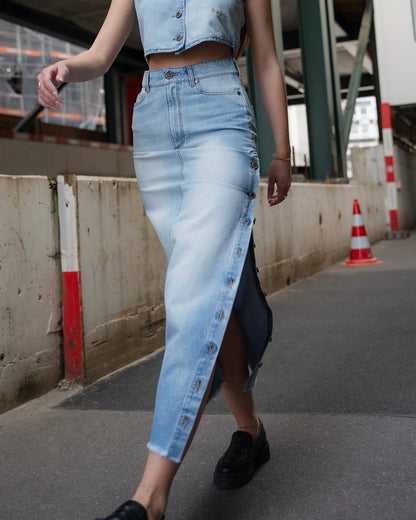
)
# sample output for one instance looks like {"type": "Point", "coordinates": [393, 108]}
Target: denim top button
{"type": "Point", "coordinates": [169, 75]}
{"type": "Point", "coordinates": [178, 37]}
{"type": "Point", "coordinates": [178, 14]}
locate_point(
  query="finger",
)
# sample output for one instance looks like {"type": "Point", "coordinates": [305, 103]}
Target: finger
{"type": "Point", "coordinates": [48, 95]}
{"type": "Point", "coordinates": [50, 104]}
{"type": "Point", "coordinates": [279, 197]}
{"type": "Point", "coordinates": [270, 187]}
{"type": "Point", "coordinates": [48, 77]}
{"type": "Point", "coordinates": [48, 100]}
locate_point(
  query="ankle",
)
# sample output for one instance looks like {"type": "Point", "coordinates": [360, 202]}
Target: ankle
{"type": "Point", "coordinates": [253, 428]}
{"type": "Point", "coordinates": [152, 499]}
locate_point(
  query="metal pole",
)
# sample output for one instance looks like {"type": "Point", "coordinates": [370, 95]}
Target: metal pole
{"type": "Point", "coordinates": [339, 150]}
{"type": "Point", "coordinates": [376, 76]}
{"type": "Point", "coordinates": [317, 74]}
{"type": "Point", "coordinates": [355, 78]}
{"type": "Point", "coordinates": [32, 114]}
{"type": "Point", "coordinates": [115, 107]}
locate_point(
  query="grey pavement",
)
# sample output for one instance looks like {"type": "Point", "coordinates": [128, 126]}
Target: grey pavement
{"type": "Point", "coordinates": [337, 395]}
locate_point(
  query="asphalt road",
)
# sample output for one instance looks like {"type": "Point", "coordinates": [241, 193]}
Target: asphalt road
{"type": "Point", "coordinates": [337, 395]}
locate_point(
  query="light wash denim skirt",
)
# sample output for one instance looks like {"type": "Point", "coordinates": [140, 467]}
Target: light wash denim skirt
{"type": "Point", "coordinates": [195, 155]}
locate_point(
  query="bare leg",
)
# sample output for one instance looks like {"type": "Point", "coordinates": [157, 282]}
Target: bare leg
{"type": "Point", "coordinates": [233, 362]}
{"type": "Point", "coordinates": [154, 488]}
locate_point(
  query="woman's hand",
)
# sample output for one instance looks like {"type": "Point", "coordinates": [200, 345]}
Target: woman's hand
{"type": "Point", "coordinates": [49, 79]}
{"type": "Point", "coordinates": [94, 62]}
{"type": "Point", "coordinates": [279, 181]}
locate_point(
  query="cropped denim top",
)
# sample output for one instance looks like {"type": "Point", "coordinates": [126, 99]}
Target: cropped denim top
{"type": "Point", "coordinates": [177, 25]}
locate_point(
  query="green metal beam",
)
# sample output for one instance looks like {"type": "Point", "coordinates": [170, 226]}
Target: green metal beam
{"type": "Point", "coordinates": [355, 78]}
{"type": "Point", "coordinates": [319, 92]}
{"type": "Point", "coordinates": [115, 107]}
{"type": "Point", "coordinates": [376, 78]}
{"type": "Point", "coordinates": [265, 136]}
{"type": "Point", "coordinates": [340, 147]}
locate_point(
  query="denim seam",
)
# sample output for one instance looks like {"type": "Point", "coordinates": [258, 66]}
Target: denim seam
{"type": "Point", "coordinates": [179, 157]}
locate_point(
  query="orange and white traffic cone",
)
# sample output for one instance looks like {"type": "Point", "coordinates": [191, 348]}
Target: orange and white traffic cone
{"type": "Point", "coordinates": [360, 253]}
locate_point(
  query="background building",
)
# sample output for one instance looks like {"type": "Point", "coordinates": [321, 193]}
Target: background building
{"type": "Point", "coordinates": [23, 53]}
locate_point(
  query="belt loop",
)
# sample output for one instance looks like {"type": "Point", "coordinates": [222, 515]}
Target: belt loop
{"type": "Point", "coordinates": [191, 76]}
{"type": "Point", "coordinates": [145, 80]}
{"type": "Point", "coordinates": [236, 67]}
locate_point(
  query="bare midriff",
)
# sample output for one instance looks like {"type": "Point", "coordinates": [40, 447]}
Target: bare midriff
{"type": "Point", "coordinates": [205, 51]}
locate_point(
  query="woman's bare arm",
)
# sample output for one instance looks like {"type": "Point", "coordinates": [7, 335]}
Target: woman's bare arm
{"type": "Point", "coordinates": [96, 60]}
{"type": "Point", "coordinates": [272, 88]}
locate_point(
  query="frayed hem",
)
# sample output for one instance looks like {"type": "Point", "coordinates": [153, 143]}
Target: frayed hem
{"type": "Point", "coordinates": [162, 453]}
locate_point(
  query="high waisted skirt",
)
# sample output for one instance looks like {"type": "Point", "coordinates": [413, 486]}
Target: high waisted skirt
{"type": "Point", "coordinates": [195, 155]}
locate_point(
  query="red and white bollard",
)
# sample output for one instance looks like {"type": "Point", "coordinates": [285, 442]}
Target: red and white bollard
{"type": "Point", "coordinates": [391, 193]}
{"type": "Point", "coordinates": [71, 283]}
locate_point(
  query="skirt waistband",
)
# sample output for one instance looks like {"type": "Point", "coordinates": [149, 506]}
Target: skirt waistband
{"type": "Point", "coordinates": [160, 77]}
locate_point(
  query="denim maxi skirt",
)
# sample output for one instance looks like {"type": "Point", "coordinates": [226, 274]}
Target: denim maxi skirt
{"type": "Point", "coordinates": [195, 156]}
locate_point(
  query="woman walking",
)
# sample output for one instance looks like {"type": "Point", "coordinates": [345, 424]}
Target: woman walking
{"type": "Point", "coordinates": [195, 155]}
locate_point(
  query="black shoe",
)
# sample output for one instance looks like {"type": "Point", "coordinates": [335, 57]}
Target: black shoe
{"type": "Point", "coordinates": [236, 467]}
{"type": "Point", "coordinates": [130, 510]}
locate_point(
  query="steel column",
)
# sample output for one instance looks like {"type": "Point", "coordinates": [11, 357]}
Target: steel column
{"type": "Point", "coordinates": [340, 145]}
{"type": "Point", "coordinates": [115, 107]}
{"type": "Point", "coordinates": [355, 78]}
{"type": "Point", "coordinates": [376, 76]}
{"type": "Point", "coordinates": [318, 81]}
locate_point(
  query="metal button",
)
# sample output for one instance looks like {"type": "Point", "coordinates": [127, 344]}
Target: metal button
{"type": "Point", "coordinates": [169, 75]}
{"type": "Point", "coordinates": [178, 37]}
{"type": "Point", "coordinates": [255, 165]}
{"type": "Point", "coordinates": [178, 14]}
{"type": "Point", "coordinates": [251, 195]}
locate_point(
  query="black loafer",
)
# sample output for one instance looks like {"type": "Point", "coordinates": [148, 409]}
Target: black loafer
{"type": "Point", "coordinates": [130, 510]}
{"type": "Point", "coordinates": [236, 467]}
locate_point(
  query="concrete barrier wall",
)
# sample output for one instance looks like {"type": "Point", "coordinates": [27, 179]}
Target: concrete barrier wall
{"type": "Point", "coordinates": [369, 170]}
{"type": "Point", "coordinates": [30, 290]}
{"type": "Point", "coordinates": [311, 229]}
{"type": "Point", "coordinates": [123, 266]}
